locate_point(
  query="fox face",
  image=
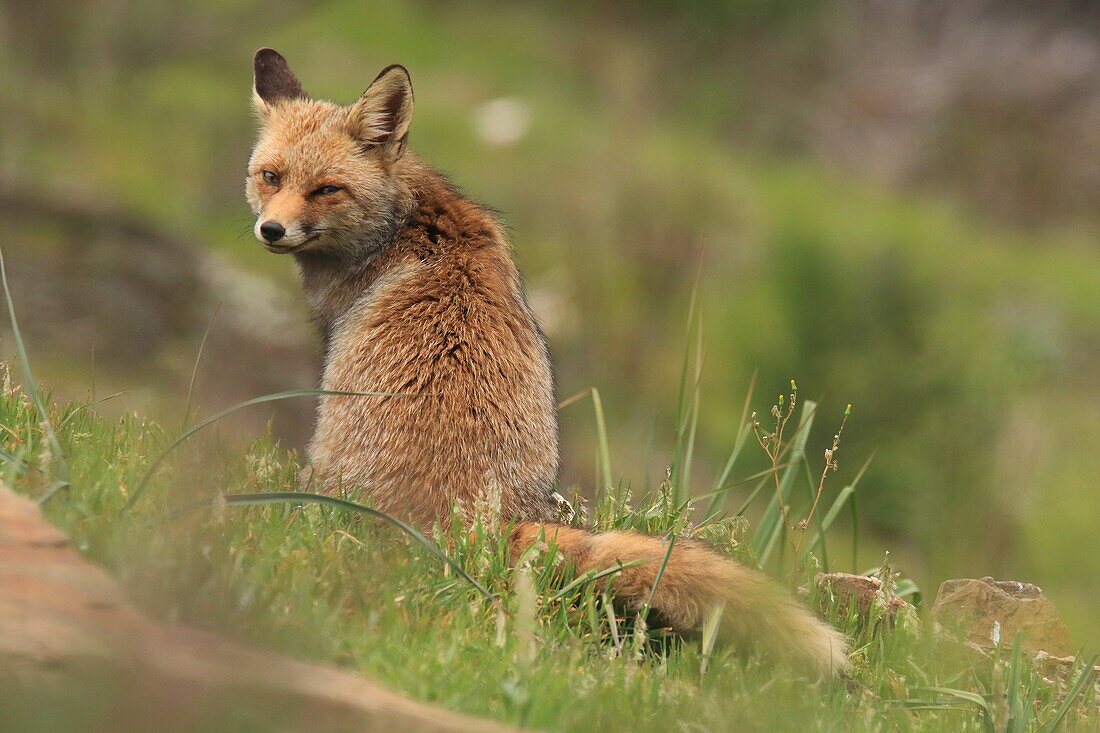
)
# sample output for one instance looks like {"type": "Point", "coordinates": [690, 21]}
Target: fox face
{"type": "Point", "coordinates": [320, 175]}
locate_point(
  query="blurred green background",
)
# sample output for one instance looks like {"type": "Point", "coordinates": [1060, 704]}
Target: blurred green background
{"type": "Point", "coordinates": [893, 202]}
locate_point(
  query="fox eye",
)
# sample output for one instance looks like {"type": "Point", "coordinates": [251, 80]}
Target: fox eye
{"type": "Point", "coordinates": [326, 190]}
{"type": "Point", "coordinates": [270, 178]}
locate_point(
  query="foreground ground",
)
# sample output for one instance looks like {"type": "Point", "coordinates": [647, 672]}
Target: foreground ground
{"type": "Point", "coordinates": [524, 646]}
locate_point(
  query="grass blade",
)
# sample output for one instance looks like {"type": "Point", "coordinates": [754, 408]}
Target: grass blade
{"type": "Point", "coordinates": [740, 482]}
{"type": "Point", "coordinates": [682, 487]}
{"type": "Point", "coordinates": [1012, 691]}
{"type": "Point", "coordinates": [853, 512]}
{"type": "Point", "coordinates": [574, 399]}
{"type": "Point", "coordinates": [88, 405]}
{"type": "Point", "coordinates": [9, 457]}
{"type": "Point", "coordinates": [198, 359]}
{"type": "Point", "coordinates": [908, 588]}
{"type": "Point", "coordinates": [603, 458]}
{"type": "Point", "coordinates": [968, 697]}
{"type": "Point", "coordinates": [1074, 691]}
{"type": "Point", "coordinates": [601, 438]}
{"type": "Point", "coordinates": [592, 576]}
{"type": "Point", "coordinates": [711, 626]}
{"type": "Point", "coordinates": [739, 442]}
{"type": "Point", "coordinates": [680, 469]}
{"type": "Point", "coordinates": [298, 497]}
{"type": "Point", "coordinates": [657, 580]}
{"type": "Point", "coordinates": [140, 489]}
{"type": "Point", "coordinates": [32, 386]}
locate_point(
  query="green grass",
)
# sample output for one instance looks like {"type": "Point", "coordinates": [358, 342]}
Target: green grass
{"type": "Point", "coordinates": [220, 541]}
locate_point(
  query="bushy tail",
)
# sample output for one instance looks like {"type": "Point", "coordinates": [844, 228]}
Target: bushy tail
{"type": "Point", "coordinates": [695, 581]}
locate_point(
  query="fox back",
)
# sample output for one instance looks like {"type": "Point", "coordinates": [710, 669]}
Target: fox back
{"type": "Point", "coordinates": [417, 299]}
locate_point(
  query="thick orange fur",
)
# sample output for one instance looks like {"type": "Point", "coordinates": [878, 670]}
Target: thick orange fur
{"type": "Point", "coordinates": [414, 291]}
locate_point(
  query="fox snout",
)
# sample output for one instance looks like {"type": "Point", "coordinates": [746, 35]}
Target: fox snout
{"type": "Point", "coordinates": [281, 235]}
{"type": "Point", "coordinates": [279, 225]}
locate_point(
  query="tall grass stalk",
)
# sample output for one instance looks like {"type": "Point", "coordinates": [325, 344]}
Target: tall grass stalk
{"type": "Point", "coordinates": [299, 497]}
{"type": "Point", "coordinates": [687, 404]}
{"type": "Point", "coordinates": [143, 483]}
{"type": "Point", "coordinates": [198, 360]}
{"type": "Point", "coordinates": [604, 480]}
{"type": "Point", "coordinates": [743, 432]}
{"type": "Point", "coordinates": [57, 456]}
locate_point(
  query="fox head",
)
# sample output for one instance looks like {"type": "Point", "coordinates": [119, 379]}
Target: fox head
{"type": "Point", "coordinates": [321, 177]}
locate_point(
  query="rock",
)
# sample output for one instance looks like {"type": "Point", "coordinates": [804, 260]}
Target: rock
{"type": "Point", "coordinates": [1053, 666]}
{"type": "Point", "coordinates": [845, 589]}
{"type": "Point", "coordinates": [992, 612]}
{"type": "Point", "coordinates": [1060, 672]}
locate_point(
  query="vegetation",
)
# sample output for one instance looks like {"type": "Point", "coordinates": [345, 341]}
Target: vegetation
{"type": "Point", "coordinates": [662, 159]}
{"type": "Point", "coordinates": [226, 542]}
{"type": "Point", "coordinates": [969, 347]}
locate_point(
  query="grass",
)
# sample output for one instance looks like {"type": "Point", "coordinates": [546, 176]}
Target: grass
{"type": "Point", "coordinates": [223, 540]}
{"type": "Point", "coordinates": [318, 578]}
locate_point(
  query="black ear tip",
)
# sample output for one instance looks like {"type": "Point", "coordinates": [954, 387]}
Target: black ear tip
{"type": "Point", "coordinates": [266, 58]}
{"type": "Point", "coordinates": [273, 78]}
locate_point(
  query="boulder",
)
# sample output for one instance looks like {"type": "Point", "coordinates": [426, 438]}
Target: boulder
{"type": "Point", "coordinates": [991, 612]}
{"type": "Point", "coordinates": [862, 590]}
{"type": "Point", "coordinates": [845, 590]}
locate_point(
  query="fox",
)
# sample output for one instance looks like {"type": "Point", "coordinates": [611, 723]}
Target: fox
{"type": "Point", "coordinates": [413, 289]}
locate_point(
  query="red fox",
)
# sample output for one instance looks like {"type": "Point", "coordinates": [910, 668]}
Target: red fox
{"type": "Point", "coordinates": [413, 289]}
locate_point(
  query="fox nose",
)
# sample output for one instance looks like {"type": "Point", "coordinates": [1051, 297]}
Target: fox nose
{"type": "Point", "coordinates": [272, 231]}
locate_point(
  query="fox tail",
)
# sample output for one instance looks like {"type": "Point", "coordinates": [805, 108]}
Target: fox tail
{"type": "Point", "coordinates": [696, 580]}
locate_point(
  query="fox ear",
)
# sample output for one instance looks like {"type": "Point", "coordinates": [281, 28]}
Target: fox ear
{"type": "Point", "coordinates": [382, 115]}
{"type": "Point", "coordinates": [272, 80]}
